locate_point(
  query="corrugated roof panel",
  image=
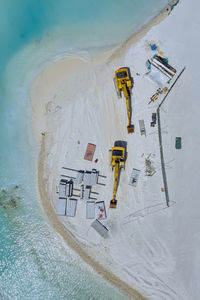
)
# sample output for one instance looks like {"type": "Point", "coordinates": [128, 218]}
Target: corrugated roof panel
{"type": "Point", "coordinates": [99, 227]}
{"type": "Point", "coordinates": [69, 189]}
{"type": "Point", "coordinates": [71, 207]}
{"type": "Point", "coordinates": [90, 210]}
{"type": "Point", "coordinates": [87, 178]}
{"type": "Point", "coordinates": [87, 193]}
{"type": "Point", "coordinates": [62, 190]}
{"type": "Point", "coordinates": [61, 207]}
{"type": "Point", "coordinates": [94, 178]}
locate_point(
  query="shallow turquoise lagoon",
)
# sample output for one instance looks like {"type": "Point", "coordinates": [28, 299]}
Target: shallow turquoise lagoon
{"type": "Point", "coordinates": [35, 262]}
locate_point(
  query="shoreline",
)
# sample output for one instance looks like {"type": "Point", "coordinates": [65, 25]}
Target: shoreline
{"type": "Point", "coordinates": [62, 230]}
{"type": "Point", "coordinates": [135, 37]}
{"type": "Point", "coordinates": [116, 53]}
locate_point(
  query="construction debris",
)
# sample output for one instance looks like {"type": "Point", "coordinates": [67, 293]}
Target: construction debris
{"type": "Point", "coordinates": [164, 90]}
{"type": "Point", "coordinates": [154, 118]}
{"type": "Point", "coordinates": [142, 127]}
{"type": "Point", "coordinates": [162, 65]}
{"type": "Point", "coordinates": [134, 177]}
{"type": "Point", "coordinates": [160, 71]}
{"type": "Point", "coordinates": [154, 98]}
{"type": "Point", "coordinates": [150, 170]}
{"type": "Point", "coordinates": [148, 64]}
{"type": "Point", "coordinates": [100, 210]}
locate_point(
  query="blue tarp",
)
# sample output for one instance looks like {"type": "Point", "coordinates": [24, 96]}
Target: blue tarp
{"type": "Point", "coordinates": [153, 47]}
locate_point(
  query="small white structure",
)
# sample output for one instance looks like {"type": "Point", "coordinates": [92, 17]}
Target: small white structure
{"type": "Point", "coordinates": [90, 178]}
{"type": "Point", "coordinates": [79, 177]}
{"type": "Point", "coordinates": [94, 177]}
{"type": "Point", "coordinates": [100, 210]}
{"type": "Point", "coordinates": [90, 210]}
{"type": "Point", "coordinates": [134, 177]}
{"type": "Point", "coordinates": [61, 208]}
{"type": "Point", "coordinates": [62, 190]}
{"type": "Point", "coordinates": [69, 188]}
{"type": "Point", "coordinates": [87, 178]}
{"type": "Point", "coordinates": [87, 192]}
{"type": "Point", "coordinates": [71, 207]}
{"type": "Point", "coordinates": [99, 227]}
{"type": "Point", "coordinates": [142, 127]}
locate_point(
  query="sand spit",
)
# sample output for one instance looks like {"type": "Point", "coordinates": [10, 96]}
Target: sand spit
{"type": "Point", "coordinates": [39, 92]}
{"type": "Point", "coordinates": [61, 229]}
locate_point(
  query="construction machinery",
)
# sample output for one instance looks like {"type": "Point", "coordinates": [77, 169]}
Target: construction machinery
{"type": "Point", "coordinates": [118, 158]}
{"type": "Point", "coordinates": [124, 83]}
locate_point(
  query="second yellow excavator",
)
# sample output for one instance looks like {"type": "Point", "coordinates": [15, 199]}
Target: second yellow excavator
{"type": "Point", "coordinates": [118, 158]}
{"type": "Point", "coordinates": [124, 83]}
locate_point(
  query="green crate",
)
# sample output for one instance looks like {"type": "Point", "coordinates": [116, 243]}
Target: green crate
{"type": "Point", "coordinates": [178, 144]}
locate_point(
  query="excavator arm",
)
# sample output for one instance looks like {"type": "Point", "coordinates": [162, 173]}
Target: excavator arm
{"type": "Point", "coordinates": [113, 202]}
{"type": "Point", "coordinates": [126, 93]}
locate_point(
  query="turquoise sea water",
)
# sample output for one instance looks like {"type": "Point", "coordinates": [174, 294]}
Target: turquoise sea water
{"type": "Point", "coordinates": [35, 263]}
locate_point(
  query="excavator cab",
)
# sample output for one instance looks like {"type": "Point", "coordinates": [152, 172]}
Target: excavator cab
{"type": "Point", "coordinates": [124, 83]}
{"type": "Point", "coordinates": [122, 76]}
{"type": "Point", "coordinates": [118, 158]}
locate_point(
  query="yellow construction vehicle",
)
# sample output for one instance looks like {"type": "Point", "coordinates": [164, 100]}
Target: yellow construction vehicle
{"type": "Point", "coordinates": [124, 83]}
{"type": "Point", "coordinates": [118, 158]}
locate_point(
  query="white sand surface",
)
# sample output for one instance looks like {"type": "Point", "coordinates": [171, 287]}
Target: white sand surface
{"type": "Point", "coordinates": [151, 248]}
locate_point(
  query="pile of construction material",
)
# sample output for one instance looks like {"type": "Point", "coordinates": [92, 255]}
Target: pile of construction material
{"type": "Point", "coordinates": [134, 177]}
{"type": "Point", "coordinates": [67, 203]}
{"type": "Point", "coordinates": [159, 70]}
{"type": "Point", "coordinates": [153, 122]}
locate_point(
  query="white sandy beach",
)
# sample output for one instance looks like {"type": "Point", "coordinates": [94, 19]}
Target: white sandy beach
{"type": "Point", "coordinates": [150, 252]}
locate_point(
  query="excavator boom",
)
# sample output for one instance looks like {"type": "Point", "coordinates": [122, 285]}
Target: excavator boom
{"type": "Point", "coordinates": [118, 157]}
{"type": "Point", "coordinates": [124, 83]}
{"type": "Point", "coordinates": [127, 96]}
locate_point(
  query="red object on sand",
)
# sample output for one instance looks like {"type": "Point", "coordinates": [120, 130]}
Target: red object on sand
{"type": "Point", "coordinates": [89, 153]}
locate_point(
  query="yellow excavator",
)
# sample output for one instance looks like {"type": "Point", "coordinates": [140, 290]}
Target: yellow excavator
{"type": "Point", "coordinates": [124, 83]}
{"type": "Point", "coordinates": [118, 158]}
